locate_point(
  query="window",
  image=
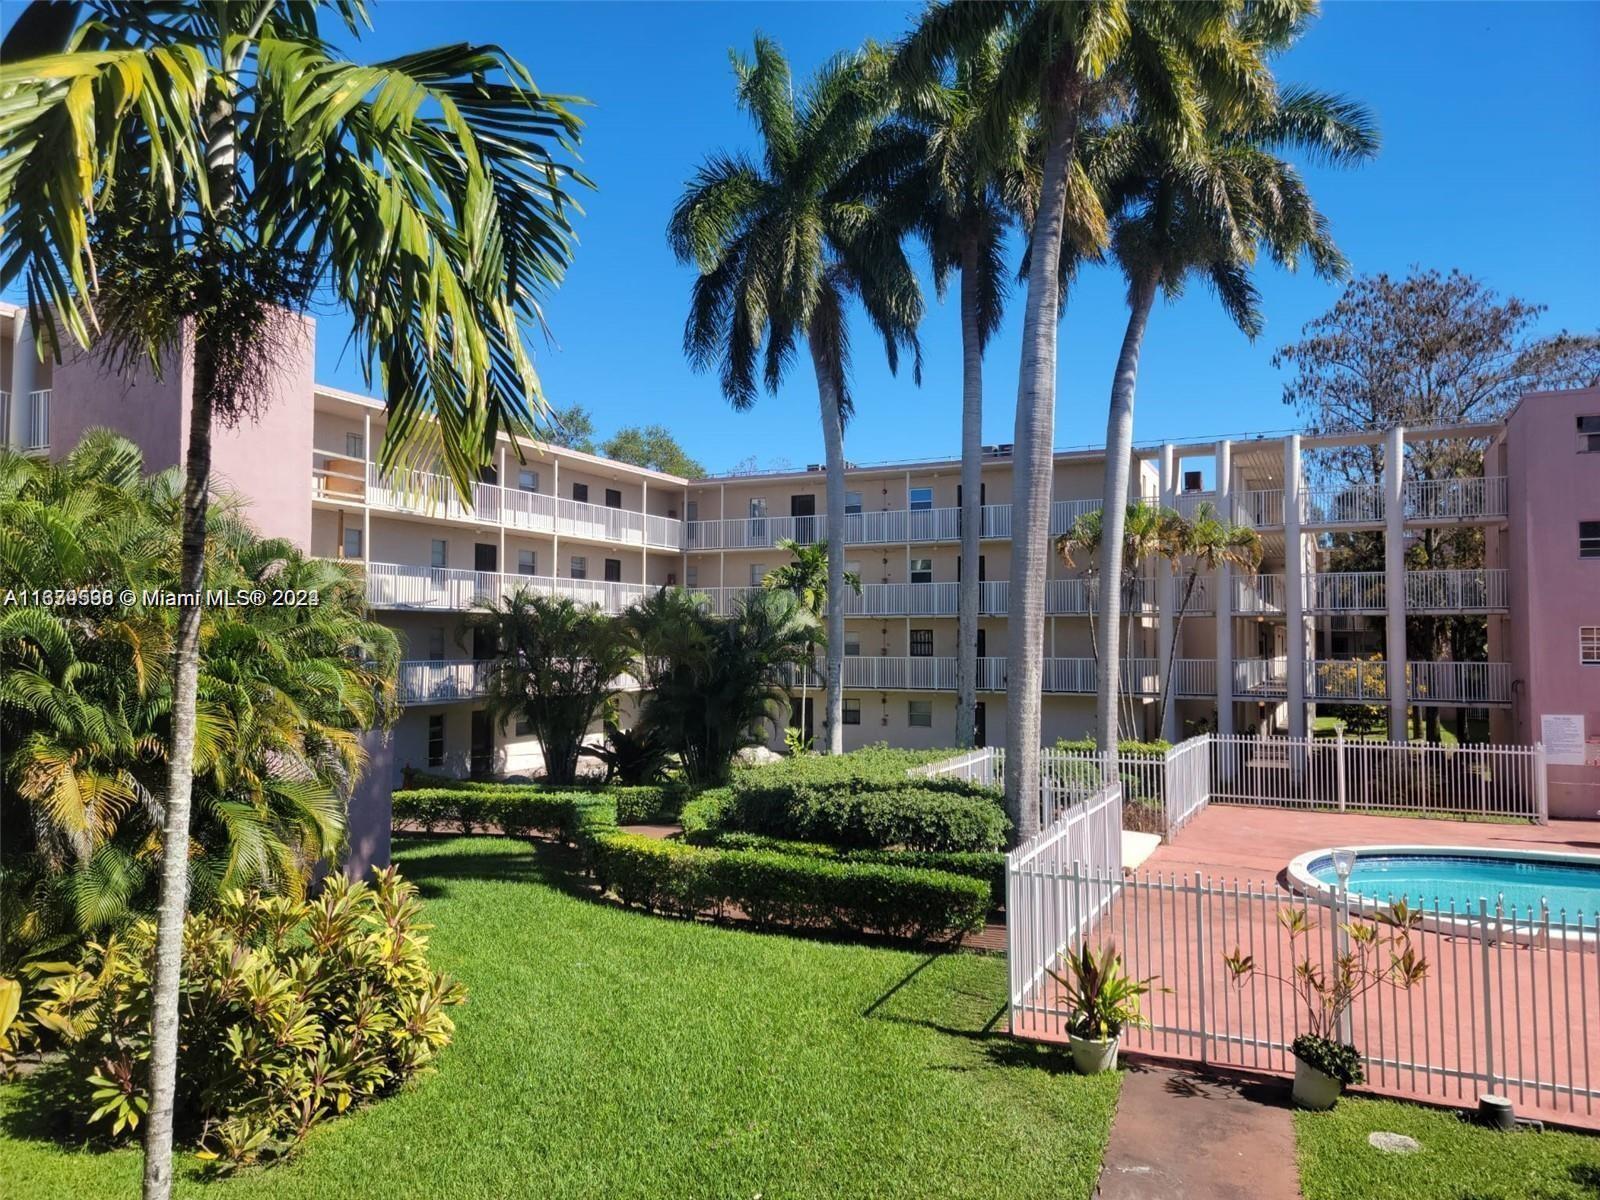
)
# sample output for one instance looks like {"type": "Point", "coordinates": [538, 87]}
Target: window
{"type": "Point", "coordinates": [921, 499]}
{"type": "Point", "coordinates": [758, 506]}
{"type": "Point", "coordinates": [919, 714]}
{"type": "Point", "coordinates": [691, 511]}
{"type": "Point", "coordinates": [691, 577]}
{"type": "Point", "coordinates": [436, 643]}
{"type": "Point", "coordinates": [613, 570]}
{"type": "Point", "coordinates": [613, 498]}
{"type": "Point", "coordinates": [1589, 435]}
{"type": "Point", "coordinates": [1589, 645]}
{"type": "Point", "coordinates": [852, 502]}
{"type": "Point", "coordinates": [440, 554]}
{"type": "Point", "coordinates": [922, 570]}
{"type": "Point", "coordinates": [580, 567]}
{"type": "Point", "coordinates": [852, 645]}
{"type": "Point", "coordinates": [1589, 539]}
{"type": "Point", "coordinates": [758, 572]}
{"type": "Point", "coordinates": [852, 711]}
{"type": "Point", "coordinates": [528, 481]}
{"type": "Point", "coordinates": [580, 493]}
{"type": "Point", "coordinates": [527, 562]}
{"type": "Point", "coordinates": [922, 643]}
{"type": "Point", "coordinates": [436, 740]}
{"type": "Point", "coordinates": [523, 727]}
{"type": "Point", "coordinates": [355, 444]}
{"type": "Point", "coordinates": [352, 543]}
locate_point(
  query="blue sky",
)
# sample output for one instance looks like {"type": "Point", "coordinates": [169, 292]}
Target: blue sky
{"type": "Point", "coordinates": [1490, 162]}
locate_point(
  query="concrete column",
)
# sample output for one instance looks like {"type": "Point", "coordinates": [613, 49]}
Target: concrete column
{"type": "Point", "coordinates": [1223, 601]}
{"type": "Point", "coordinates": [1166, 607]}
{"type": "Point", "coordinates": [500, 479]}
{"type": "Point", "coordinates": [555, 523]}
{"type": "Point", "coordinates": [24, 362]}
{"type": "Point", "coordinates": [366, 500]}
{"type": "Point", "coordinates": [1294, 601]}
{"type": "Point", "coordinates": [1394, 579]}
{"type": "Point", "coordinates": [644, 545]}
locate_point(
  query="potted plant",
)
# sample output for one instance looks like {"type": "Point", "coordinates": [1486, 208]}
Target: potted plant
{"type": "Point", "coordinates": [1372, 953]}
{"type": "Point", "coordinates": [1102, 1000]}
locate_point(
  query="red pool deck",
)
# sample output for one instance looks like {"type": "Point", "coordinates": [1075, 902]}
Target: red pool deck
{"type": "Point", "coordinates": [1428, 1043]}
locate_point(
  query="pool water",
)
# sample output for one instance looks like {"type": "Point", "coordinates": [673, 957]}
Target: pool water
{"type": "Point", "coordinates": [1440, 880]}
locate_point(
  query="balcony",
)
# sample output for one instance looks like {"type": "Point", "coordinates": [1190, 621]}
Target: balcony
{"type": "Point", "coordinates": [1365, 681]}
{"type": "Point", "coordinates": [1464, 591]}
{"type": "Point", "coordinates": [33, 422]}
{"type": "Point", "coordinates": [1349, 504]}
{"type": "Point", "coordinates": [441, 681]}
{"type": "Point", "coordinates": [1262, 509]}
{"type": "Point", "coordinates": [889, 527]}
{"type": "Point", "coordinates": [338, 477]}
{"type": "Point", "coordinates": [1063, 597]}
{"type": "Point", "coordinates": [1061, 676]}
{"type": "Point", "coordinates": [1199, 597]}
{"type": "Point", "coordinates": [1258, 595]}
{"type": "Point", "coordinates": [1261, 678]}
{"type": "Point", "coordinates": [442, 589]}
{"type": "Point", "coordinates": [1469, 499]}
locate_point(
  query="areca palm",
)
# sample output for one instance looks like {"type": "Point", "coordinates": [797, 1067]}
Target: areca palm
{"type": "Point", "coordinates": [1067, 63]}
{"type": "Point", "coordinates": [1199, 545]}
{"type": "Point", "coordinates": [196, 170]}
{"type": "Point", "coordinates": [806, 576]}
{"type": "Point", "coordinates": [968, 179]}
{"type": "Point", "coordinates": [782, 247]}
{"type": "Point", "coordinates": [1207, 207]}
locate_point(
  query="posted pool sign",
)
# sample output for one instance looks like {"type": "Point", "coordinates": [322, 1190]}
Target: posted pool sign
{"type": "Point", "coordinates": [1562, 735]}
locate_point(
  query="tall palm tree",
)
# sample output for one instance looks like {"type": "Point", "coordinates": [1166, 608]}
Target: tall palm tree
{"type": "Point", "coordinates": [1147, 534]}
{"type": "Point", "coordinates": [968, 180]}
{"type": "Point", "coordinates": [1067, 63]}
{"type": "Point", "coordinates": [1200, 545]}
{"type": "Point", "coordinates": [806, 575]}
{"type": "Point", "coordinates": [782, 246]}
{"type": "Point", "coordinates": [193, 169]}
{"type": "Point", "coordinates": [1208, 207]}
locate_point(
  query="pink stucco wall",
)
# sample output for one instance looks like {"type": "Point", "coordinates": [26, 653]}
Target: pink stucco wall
{"type": "Point", "coordinates": [266, 460]}
{"type": "Point", "coordinates": [1553, 591]}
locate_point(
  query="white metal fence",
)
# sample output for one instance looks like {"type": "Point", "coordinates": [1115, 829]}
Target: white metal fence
{"type": "Point", "coordinates": [1509, 1002]}
{"type": "Point", "coordinates": [1398, 777]}
{"type": "Point", "coordinates": [1041, 920]}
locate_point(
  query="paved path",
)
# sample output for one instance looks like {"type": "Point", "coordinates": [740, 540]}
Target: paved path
{"type": "Point", "coordinates": [1182, 1136]}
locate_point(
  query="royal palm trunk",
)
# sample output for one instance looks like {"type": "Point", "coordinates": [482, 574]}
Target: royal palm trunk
{"type": "Point", "coordinates": [1033, 461]}
{"type": "Point", "coordinates": [971, 501]}
{"type": "Point", "coordinates": [1113, 520]}
{"type": "Point", "coordinates": [833, 444]}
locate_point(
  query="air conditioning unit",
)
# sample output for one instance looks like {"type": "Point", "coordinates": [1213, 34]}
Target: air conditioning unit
{"type": "Point", "coordinates": [1002, 450]}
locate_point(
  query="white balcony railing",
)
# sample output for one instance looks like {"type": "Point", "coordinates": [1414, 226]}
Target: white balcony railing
{"type": "Point", "coordinates": [438, 681]}
{"type": "Point", "coordinates": [394, 585]}
{"type": "Point", "coordinates": [1463, 683]}
{"type": "Point", "coordinates": [1346, 591]}
{"type": "Point", "coordinates": [1188, 503]}
{"type": "Point", "coordinates": [1455, 499]}
{"type": "Point", "coordinates": [1483, 590]}
{"type": "Point", "coordinates": [1260, 677]}
{"type": "Point", "coordinates": [5, 418]}
{"type": "Point", "coordinates": [1194, 677]}
{"type": "Point", "coordinates": [1258, 595]}
{"type": "Point", "coordinates": [1262, 509]}
{"type": "Point", "coordinates": [1347, 680]}
{"type": "Point", "coordinates": [1064, 514]}
{"type": "Point", "coordinates": [1347, 504]}
{"type": "Point", "coordinates": [1199, 597]}
{"type": "Point", "coordinates": [36, 427]}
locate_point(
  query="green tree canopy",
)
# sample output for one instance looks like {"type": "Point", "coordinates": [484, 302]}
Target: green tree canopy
{"type": "Point", "coordinates": [651, 446]}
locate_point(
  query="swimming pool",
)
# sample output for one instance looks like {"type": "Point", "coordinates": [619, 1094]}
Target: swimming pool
{"type": "Point", "coordinates": [1442, 876]}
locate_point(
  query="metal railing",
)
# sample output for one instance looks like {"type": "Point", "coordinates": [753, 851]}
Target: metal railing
{"type": "Point", "coordinates": [36, 434]}
{"type": "Point", "coordinates": [1481, 590]}
{"type": "Point", "coordinates": [1194, 677]}
{"type": "Point", "coordinates": [395, 585]}
{"type": "Point", "coordinates": [1455, 499]}
{"type": "Point", "coordinates": [1256, 595]}
{"type": "Point", "coordinates": [1267, 677]}
{"type": "Point", "coordinates": [1199, 596]}
{"type": "Point", "coordinates": [437, 681]}
{"type": "Point", "coordinates": [1347, 504]}
{"type": "Point", "coordinates": [1261, 509]}
{"type": "Point", "coordinates": [1346, 591]}
{"type": "Point", "coordinates": [1458, 683]}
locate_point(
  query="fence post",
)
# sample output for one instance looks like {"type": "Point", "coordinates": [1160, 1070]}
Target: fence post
{"type": "Point", "coordinates": [1338, 744]}
{"type": "Point", "coordinates": [1541, 785]}
{"type": "Point", "coordinates": [1488, 995]}
{"type": "Point", "coordinates": [1166, 795]}
{"type": "Point", "coordinates": [1200, 973]}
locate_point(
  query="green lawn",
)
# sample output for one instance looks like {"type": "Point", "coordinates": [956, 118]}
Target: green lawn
{"type": "Point", "coordinates": [608, 1053]}
{"type": "Point", "coordinates": [1457, 1161]}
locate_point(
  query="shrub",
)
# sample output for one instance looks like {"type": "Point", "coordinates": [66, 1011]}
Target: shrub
{"type": "Point", "coordinates": [1125, 746]}
{"type": "Point", "coordinates": [802, 891]}
{"type": "Point", "coordinates": [292, 1012]}
{"type": "Point", "coordinates": [911, 816]}
{"type": "Point", "coordinates": [519, 809]}
{"type": "Point", "coordinates": [1333, 1058]}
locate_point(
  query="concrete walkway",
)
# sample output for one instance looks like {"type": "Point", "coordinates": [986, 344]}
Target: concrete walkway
{"type": "Point", "coordinates": [1184, 1136]}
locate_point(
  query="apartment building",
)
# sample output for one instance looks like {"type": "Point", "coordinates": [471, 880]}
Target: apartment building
{"type": "Point", "coordinates": [1251, 651]}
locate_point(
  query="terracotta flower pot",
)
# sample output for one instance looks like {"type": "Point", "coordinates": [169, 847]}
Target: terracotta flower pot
{"type": "Point", "coordinates": [1313, 1089]}
{"type": "Point", "coordinates": [1093, 1056]}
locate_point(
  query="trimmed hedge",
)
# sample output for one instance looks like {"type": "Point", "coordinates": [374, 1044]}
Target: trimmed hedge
{"type": "Point", "coordinates": [799, 891]}
{"type": "Point", "coordinates": [986, 865]}
{"type": "Point", "coordinates": [519, 808]}
{"type": "Point", "coordinates": [1125, 746]}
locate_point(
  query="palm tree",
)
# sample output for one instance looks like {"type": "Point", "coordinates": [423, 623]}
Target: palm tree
{"type": "Point", "coordinates": [1067, 63]}
{"type": "Point", "coordinates": [1147, 532]}
{"type": "Point", "coordinates": [782, 246]}
{"type": "Point", "coordinates": [966, 182]}
{"type": "Point", "coordinates": [1204, 542]}
{"type": "Point", "coordinates": [556, 668]}
{"type": "Point", "coordinates": [806, 575]}
{"type": "Point", "coordinates": [85, 696]}
{"type": "Point", "coordinates": [195, 174]}
{"type": "Point", "coordinates": [1207, 207]}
